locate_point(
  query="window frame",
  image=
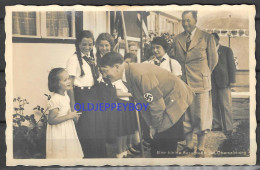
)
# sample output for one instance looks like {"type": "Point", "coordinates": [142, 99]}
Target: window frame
{"type": "Point", "coordinates": [37, 27]}
{"type": "Point", "coordinates": [41, 27]}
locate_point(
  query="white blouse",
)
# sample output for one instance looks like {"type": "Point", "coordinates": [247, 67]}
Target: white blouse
{"type": "Point", "coordinates": [73, 69]}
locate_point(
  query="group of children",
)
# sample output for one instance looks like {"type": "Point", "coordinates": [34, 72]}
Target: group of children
{"type": "Point", "coordinates": [86, 134]}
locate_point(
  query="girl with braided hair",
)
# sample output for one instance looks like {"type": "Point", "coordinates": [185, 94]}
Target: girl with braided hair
{"type": "Point", "coordinates": [83, 72]}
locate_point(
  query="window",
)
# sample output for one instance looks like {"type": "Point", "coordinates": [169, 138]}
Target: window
{"type": "Point", "coordinates": [24, 24]}
{"type": "Point", "coordinates": [55, 24]}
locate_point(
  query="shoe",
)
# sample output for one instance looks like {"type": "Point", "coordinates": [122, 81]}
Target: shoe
{"type": "Point", "coordinates": [186, 151]}
{"type": "Point", "coordinates": [138, 147]}
{"type": "Point", "coordinates": [146, 144]}
{"type": "Point", "coordinates": [122, 155]}
{"type": "Point", "coordinates": [200, 154]}
{"type": "Point", "coordinates": [133, 151]}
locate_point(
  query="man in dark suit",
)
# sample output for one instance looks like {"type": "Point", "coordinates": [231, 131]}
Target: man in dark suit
{"type": "Point", "coordinates": [167, 97]}
{"type": "Point", "coordinates": [195, 50]}
{"type": "Point", "coordinates": [223, 75]}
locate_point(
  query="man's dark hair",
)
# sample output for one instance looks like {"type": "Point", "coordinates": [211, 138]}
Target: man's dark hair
{"type": "Point", "coordinates": [131, 56]}
{"type": "Point", "coordinates": [194, 14]}
{"type": "Point", "coordinates": [110, 59]}
{"type": "Point", "coordinates": [215, 35]}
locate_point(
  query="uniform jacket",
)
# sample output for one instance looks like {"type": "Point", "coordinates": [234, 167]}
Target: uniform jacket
{"type": "Point", "coordinates": [225, 71]}
{"type": "Point", "coordinates": [198, 61]}
{"type": "Point", "coordinates": [168, 96]}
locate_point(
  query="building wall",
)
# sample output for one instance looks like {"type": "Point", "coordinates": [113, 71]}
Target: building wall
{"type": "Point", "coordinates": [31, 66]}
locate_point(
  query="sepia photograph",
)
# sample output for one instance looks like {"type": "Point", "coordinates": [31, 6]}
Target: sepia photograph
{"type": "Point", "coordinates": [130, 85]}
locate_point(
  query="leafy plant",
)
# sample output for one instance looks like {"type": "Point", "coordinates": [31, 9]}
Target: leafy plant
{"type": "Point", "coordinates": [29, 135]}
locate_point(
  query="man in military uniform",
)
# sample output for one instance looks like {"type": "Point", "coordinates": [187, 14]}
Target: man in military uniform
{"type": "Point", "coordinates": [167, 95]}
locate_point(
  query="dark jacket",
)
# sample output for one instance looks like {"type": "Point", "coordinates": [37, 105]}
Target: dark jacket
{"type": "Point", "coordinates": [225, 71]}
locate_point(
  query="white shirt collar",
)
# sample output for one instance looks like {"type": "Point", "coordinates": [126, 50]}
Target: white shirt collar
{"type": "Point", "coordinates": [82, 55]}
{"type": "Point", "coordinates": [123, 77]}
{"type": "Point", "coordinates": [165, 56]}
{"type": "Point", "coordinates": [193, 32]}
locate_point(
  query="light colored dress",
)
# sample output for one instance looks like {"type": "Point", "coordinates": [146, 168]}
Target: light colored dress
{"type": "Point", "coordinates": [62, 140]}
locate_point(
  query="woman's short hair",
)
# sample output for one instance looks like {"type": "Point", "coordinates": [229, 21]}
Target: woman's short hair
{"type": "Point", "coordinates": [161, 41]}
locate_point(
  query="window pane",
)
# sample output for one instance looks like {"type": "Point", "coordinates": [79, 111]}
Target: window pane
{"type": "Point", "coordinates": [24, 23]}
{"type": "Point", "coordinates": [58, 24]}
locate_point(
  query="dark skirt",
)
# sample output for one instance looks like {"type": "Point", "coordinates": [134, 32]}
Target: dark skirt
{"type": "Point", "coordinates": [119, 123]}
{"type": "Point", "coordinates": [91, 127]}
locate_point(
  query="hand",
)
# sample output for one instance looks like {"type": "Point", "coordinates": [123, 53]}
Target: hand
{"type": "Point", "coordinates": [72, 115]}
{"type": "Point", "coordinates": [152, 132]}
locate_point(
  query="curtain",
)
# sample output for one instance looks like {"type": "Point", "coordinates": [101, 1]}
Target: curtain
{"type": "Point", "coordinates": [58, 24]}
{"type": "Point", "coordinates": [24, 23]}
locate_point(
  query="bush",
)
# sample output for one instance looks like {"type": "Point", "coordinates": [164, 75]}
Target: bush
{"type": "Point", "coordinates": [29, 135]}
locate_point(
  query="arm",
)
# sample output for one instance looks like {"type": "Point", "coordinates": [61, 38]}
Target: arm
{"type": "Point", "coordinates": [54, 120]}
{"type": "Point", "coordinates": [151, 93]}
{"type": "Point", "coordinates": [120, 93]}
{"type": "Point", "coordinates": [231, 66]}
{"type": "Point", "coordinates": [71, 94]}
{"type": "Point", "coordinates": [212, 53]}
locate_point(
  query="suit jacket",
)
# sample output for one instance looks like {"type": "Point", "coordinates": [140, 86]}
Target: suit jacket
{"type": "Point", "coordinates": [168, 96]}
{"type": "Point", "coordinates": [198, 61]}
{"type": "Point", "coordinates": [225, 71]}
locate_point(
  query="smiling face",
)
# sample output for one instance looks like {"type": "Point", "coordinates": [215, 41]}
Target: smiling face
{"type": "Point", "coordinates": [86, 45]}
{"type": "Point", "coordinates": [158, 50]}
{"type": "Point", "coordinates": [188, 22]}
{"type": "Point", "coordinates": [112, 73]}
{"type": "Point", "coordinates": [64, 81]}
{"type": "Point", "coordinates": [104, 47]}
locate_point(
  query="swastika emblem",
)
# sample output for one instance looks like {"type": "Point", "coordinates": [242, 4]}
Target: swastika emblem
{"type": "Point", "coordinates": [148, 97]}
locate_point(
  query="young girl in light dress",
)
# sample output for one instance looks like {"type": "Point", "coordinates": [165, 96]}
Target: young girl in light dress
{"type": "Point", "coordinates": [62, 139]}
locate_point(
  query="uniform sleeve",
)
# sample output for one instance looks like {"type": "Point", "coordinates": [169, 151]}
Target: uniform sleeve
{"type": "Point", "coordinates": [72, 65]}
{"type": "Point", "coordinates": [212, 53]}
{"type": "Point", "coordinates": [176, 67]}
{"type": "Point", "coordinates": [154, 96]}
{"type": "Point", "coordinates": [231, 66]}
{"type": "Point", "coordinates": [53, 103]}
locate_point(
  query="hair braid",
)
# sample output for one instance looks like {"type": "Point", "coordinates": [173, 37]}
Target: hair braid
{"type": "Point", "coordinates": [80, 61]}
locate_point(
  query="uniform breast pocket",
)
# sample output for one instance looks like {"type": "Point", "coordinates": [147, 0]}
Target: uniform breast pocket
{"type": "Point", "coordinates": [206, 80]}
{"type": "Point", "coordinates": [170, 100]}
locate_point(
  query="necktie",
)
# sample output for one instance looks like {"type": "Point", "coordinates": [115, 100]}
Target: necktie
{"type": "Point", "coordinates": [158, 63]}
{"type": "Point", "coordinates": [188, 40]}
{"type": "Point", "coordinates": [91, 63]}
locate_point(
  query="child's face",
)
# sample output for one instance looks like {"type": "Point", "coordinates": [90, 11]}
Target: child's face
{"type": "Point", "coordinates": [104, 47]}
{"type": "Point", "coordinates": [64, 83]}
{"type": "Point", "coordinates": [86, 45]}
{"type": "Point", "coordinates": [133, 49]}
